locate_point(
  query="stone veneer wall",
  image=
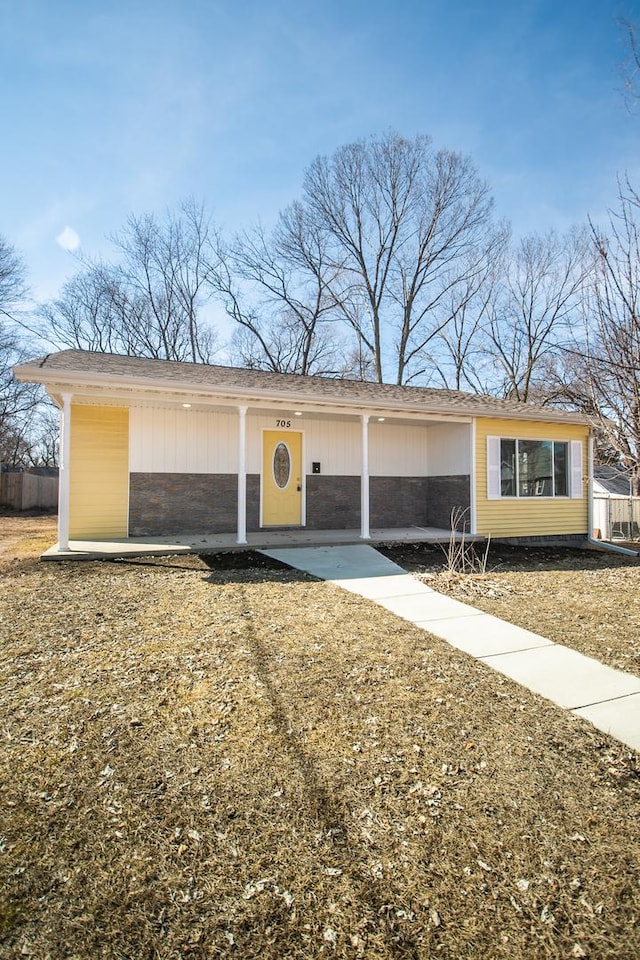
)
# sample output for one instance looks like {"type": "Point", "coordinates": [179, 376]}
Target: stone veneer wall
{"type": "Point", "coordinates": [333, 503]}
{"type": "Point", "coordinates": [444, 494]}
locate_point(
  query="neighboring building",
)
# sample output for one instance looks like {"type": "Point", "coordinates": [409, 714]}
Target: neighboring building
{"type": "Point", "coordinates": [611, 481]}
{"type": "Point", "coordinates": [616, 513]}
{"type": "Point", "coordinates": [154, 448]}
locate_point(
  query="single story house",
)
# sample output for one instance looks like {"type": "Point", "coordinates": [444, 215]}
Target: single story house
{"type": "Point", "coordinates": [155, 447]}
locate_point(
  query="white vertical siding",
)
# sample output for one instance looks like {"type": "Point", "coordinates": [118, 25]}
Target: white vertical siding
{"type": "Point", "coordinates": [397, 450]}
{"type": "Point", "coordinates": [173, 440]}
{"type": "Point", "coordinates": [335, 444]}
{"type": "Point", "coordinates": [449, 449]}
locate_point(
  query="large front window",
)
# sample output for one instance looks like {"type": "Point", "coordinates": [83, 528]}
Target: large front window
{"type": "Point", "coordinates": [533, 468]}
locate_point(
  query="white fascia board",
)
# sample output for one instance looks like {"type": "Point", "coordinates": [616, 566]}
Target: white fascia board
{"type": "Point", "coordinates": [137, 390]}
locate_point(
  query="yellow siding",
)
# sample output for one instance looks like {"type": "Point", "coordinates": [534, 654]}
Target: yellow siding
{"type": "Point", "coordinates": [99, 462]}
{"type": "Point", "coordinates": [528, 516]}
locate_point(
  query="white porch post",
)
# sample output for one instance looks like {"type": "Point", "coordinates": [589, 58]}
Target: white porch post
{"type": "Point", "coordinates": [63, 484]}
{"type": "Point", "coordinates": [242, 475]}
{"type": "Point", "coordinates": [364, 480]}
{"type": "Point", "coordinates": [473, 523]}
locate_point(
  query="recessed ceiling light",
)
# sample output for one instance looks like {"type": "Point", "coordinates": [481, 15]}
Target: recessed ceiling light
{"type": "Point", "coordinates": [187, 406]}
{"type": "Point", "coordinates": [380, 419]}
{"type": "Point", "coordinates": [297, 413]}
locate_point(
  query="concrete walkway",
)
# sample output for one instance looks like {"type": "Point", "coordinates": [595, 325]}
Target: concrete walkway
{"type": "Point", "coordinates": [607, 698]}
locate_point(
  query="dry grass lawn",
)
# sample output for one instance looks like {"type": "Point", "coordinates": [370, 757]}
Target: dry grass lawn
{"type": "Point", "coordinates": [206, 761]}
{"type": "Point", "coordinates": [588, 600]}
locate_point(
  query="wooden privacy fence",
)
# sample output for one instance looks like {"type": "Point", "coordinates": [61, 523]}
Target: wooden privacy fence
{"type": "Point", "coordinates": [28, 491]}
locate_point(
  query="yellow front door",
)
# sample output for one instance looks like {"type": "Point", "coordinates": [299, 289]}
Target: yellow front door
{"type": "Point", "coordinates": [281, 478]}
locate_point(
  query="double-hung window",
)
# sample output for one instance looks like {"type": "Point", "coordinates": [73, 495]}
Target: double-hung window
{"type": "Point", "coordinates": [533, 468]}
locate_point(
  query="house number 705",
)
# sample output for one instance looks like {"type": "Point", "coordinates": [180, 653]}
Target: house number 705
{"type": "Point", "coordinates": [283, 423]}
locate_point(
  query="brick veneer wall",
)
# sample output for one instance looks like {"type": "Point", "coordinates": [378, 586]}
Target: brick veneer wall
{"type": "Point", "coordinates": [397, 501]}
{"type": "Point", "coordinates": [253, 501]}
{"type": "Point", "coordinates": [164, 504]}
{"type": "Point", "coordinates": [333, 503]}
{"type": "Point", "coordinates": [445, 494]}
{"type": "Point", "coordinates": [175, 503]}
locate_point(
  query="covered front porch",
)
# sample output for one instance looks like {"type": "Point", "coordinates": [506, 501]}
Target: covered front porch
{"type": "Point", "coordinates": [260, 540]}
{"type": "Point", "coordinates": [156, 474]}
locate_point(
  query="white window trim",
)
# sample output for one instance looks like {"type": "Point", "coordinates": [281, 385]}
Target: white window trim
{"type": "Point", "coordinates": [574, 470]}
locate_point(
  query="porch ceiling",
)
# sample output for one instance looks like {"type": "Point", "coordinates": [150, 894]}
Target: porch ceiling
{"type": "Point", "coordinates": [297, 413]}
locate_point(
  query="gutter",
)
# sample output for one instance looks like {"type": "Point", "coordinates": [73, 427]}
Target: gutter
{"type": "Point", "coordinates": [591, 540]}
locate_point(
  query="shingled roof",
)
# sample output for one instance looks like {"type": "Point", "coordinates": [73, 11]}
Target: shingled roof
{"type": "Point", "coordinates": [615, 480]}
{"type": "Point", "coordinates": [84, 367]}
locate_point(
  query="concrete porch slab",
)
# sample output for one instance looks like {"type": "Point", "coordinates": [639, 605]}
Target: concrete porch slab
{"type": "Point", "coordinates": [259, 540]}
{"type": "Point", "coordinates": [567, 677]}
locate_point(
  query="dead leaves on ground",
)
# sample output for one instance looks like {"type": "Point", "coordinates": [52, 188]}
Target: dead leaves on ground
{"type": "Point", "coordinates": [198, 762]}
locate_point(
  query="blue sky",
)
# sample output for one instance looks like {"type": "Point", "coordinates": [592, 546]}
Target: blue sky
{"type": "Point", "coordinates": [115, 107]}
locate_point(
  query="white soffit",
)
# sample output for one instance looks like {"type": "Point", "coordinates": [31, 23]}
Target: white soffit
{"type": "Point", "coordinates": [284, 407]}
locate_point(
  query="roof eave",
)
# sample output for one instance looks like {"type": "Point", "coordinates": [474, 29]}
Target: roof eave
{"type": "Point", "coordinates": [64, 380]}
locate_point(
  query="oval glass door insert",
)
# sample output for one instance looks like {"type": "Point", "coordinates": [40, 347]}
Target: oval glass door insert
{"type": "Point", "coordinates": [281, 465]}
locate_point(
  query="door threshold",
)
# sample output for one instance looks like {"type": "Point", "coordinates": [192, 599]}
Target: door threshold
{"type": "Point", "coordinates": [297, 526]}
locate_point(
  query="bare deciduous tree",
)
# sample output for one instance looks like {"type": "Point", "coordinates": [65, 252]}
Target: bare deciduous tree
{"type": "Point", "coordinates": [399, 222]}
{"type": "Point", "coordinates": [460, 356]}
{"type": "Point", "coordinates": [164, 281]}
{"type": "Point", "coordinates": [85, 313]}
{"type": "Point", "coordinates": [278, 290]}
{"type": "Point", "coordinates": [384, 242]}
{"type": "Point", "coordinates": [151, 302]}
{"type": "Point", "coordinates": [612, 346]}
{"type": "Point", "coordinates": [17, 400]}
{"type": "Point", "coordinates": [13, 278]}
{"type": "Point", "coordinates": [532, 309]}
